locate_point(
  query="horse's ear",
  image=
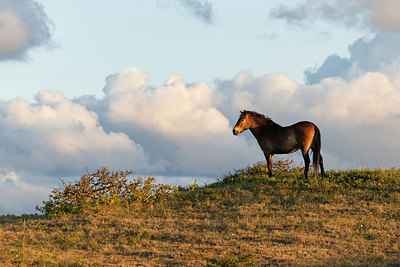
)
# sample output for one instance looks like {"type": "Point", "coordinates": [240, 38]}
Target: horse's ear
{"type": "Point", "coordinates": [241, 112]}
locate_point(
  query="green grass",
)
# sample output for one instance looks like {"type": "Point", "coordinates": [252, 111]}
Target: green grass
{"type": "Point", "coordinates": [245, 218]}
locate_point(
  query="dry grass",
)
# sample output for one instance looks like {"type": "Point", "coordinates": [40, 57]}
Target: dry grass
{"type": "Point", "coordinates": [348, 218]}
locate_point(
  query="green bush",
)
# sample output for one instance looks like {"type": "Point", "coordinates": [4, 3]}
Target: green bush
{"type": "Point", "coordinates": [103, 188]}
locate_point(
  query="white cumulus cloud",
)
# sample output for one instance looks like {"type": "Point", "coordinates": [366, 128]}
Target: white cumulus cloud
{"type": "Point", "coordinates": [176, 122]}
{"type": "Point", "coordinates": [56, 134]}
{"type": "Point", "coordinates": [175, 110]}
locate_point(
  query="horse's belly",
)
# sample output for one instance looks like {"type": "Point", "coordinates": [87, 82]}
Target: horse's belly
{"type": "Point", "coordinates": [283, 144]}
{"type": "Point", "coordinates": [287, 146]}
{"type": "Point", "coordinates": [285, 150]}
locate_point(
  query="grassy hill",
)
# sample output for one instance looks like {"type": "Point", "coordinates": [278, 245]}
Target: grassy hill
{"type": "Point", "coordinates": [347, 218]}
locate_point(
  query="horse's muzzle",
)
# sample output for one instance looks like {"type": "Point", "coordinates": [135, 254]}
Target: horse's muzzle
{"type": "Point", "coordinates": [235, 132]}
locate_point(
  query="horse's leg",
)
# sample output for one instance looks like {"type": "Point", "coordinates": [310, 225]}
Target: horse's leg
{"type": "Point", "coordinates": [321, 160]}
{"type": "Point", "coordinates": [306, 162]}
{"type": "Point", "coordinates": [321, 165]}
{"type": "Point", "coordinates": [316, 148]}
{"type": "Point", "coordinates": [269, 158]}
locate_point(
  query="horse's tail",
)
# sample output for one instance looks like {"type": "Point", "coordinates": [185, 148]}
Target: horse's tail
{"type": "Point", "coordinates": [316, 148]}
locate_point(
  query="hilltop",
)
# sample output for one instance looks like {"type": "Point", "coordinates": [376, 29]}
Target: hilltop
{"type": "Point", "coordinates": [350, 217]}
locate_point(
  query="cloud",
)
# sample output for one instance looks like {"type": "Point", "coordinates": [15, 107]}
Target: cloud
{"type": "Point", "coordinates": [175, 110]}
{"type": "Point", "coordinates": [333, 66]}
{"type": "Point", "coordinates": [201, 9]}
{"type": "Point", "coordinates": [23, 25]}
{"type": "Point", "coordinates": [348, 13]}
{"type": "Point", "coordinates": [367, 14]}
{"type": "Point", "coordinates": [378, 54]}
{"type": "Point", "coordinates": [245, 91]}
{"type": "Point", "coordinates": [383, 15]}
{"type": "Point", "coordinates": [56, 135]}
{"type": "Point", "coordinates": [181, 120]}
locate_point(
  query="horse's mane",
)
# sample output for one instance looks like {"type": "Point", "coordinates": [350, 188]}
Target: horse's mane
{"type": "Point", "coordinates": [260, 118]}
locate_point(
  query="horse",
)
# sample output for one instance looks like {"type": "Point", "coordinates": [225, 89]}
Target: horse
{"type": "Point", "coordinates": [275, 139]}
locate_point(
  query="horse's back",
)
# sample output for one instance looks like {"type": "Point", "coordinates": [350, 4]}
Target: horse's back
{"type": "Point", "coordinates": [304, 126]}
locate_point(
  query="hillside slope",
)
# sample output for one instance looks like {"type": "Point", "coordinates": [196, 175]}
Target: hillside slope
{"type": "Point", "coordinates": [245, 218]}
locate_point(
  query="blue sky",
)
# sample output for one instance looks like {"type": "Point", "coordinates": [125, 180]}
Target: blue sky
{"type": "Point", "coordinates": [156, 86]}
{"type": "Point", "coordinates": [93, 39]}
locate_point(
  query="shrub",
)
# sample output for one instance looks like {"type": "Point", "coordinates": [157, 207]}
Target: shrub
{"type": "Point", "coordinates": [103, 188]}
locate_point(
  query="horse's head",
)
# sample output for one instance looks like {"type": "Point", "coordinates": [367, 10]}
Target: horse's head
{"type": "Point", "coordinates": [242, 124]}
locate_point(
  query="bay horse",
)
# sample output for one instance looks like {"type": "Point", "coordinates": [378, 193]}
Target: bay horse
{"type": "Point", "coordinates": [275, 139]}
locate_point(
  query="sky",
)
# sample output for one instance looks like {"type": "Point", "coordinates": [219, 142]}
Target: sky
{"type": "Point", "coordinates": [156, 86]}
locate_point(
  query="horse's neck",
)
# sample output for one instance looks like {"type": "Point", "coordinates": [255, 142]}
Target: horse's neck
{"type": "Point", "coordinates": [257, 132]}
{"type": "Point", "coordinates": [260, 131]}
